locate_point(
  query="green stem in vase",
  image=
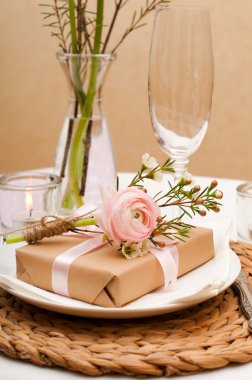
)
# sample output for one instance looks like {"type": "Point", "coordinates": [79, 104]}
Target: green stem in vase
{"type": "Point", "coordinates": [76, 64]}
{"type": "Point", "coordinates": [72, 195]}
{"type": "Point", "coordinates": [73, 26]}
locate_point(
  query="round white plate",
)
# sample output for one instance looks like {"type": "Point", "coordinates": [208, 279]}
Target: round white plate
{"type": "Point", "coordinates": [156, 303]}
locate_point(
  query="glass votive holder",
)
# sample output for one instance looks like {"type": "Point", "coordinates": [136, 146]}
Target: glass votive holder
{"type": "Point", "coordinates": [25, 197]}
{"type": "Point", "coordinates": [244, 210]}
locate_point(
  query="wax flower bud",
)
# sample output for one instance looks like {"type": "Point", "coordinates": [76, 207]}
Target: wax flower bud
{"type": "Point", "coordinates": [214, 184]}
{"type": "Point", "coordinates": [196, 188]}
{"type": "Point", "coordinates": [161, 244]}
{"type": "Point", "coordinates": [143, 189]}
{"type": "Point", "coordinates": [163, 228]}
{"type": "Point", "coordinates": [188, 180]}
{"type": "Point", "coordinates": [202, 212]}
{"type": "Point", "coordinates": [200, 201]}
{"type": "Point", "coordinates": [218, 194]}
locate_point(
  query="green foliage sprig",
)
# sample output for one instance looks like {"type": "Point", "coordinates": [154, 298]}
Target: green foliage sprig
{"type": "Point", "coordinates": [189, 200]}
{"type": "Point", "coordinates": [56, 16]}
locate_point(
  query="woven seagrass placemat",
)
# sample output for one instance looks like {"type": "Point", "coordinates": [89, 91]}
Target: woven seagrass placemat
{"type": "Point", "coordinates": [210, 335]}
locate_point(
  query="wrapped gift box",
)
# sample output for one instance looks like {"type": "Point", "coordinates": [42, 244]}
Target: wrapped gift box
{"type": "Point", "coordinates": [104, 276]}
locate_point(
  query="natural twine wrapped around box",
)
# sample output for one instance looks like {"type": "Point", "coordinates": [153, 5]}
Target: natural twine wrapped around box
{"type": "Point", "coordinates": [210, 335]}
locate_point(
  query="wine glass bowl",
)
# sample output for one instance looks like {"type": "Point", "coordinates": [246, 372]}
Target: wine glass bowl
{"type": "Point", "coordinates": [180, 80]}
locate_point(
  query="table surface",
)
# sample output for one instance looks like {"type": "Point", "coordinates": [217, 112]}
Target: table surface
{"type": "Point", "coordinates": [10, 368]}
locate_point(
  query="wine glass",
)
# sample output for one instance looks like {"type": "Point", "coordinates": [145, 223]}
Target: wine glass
{"type": "Point", "coordinates": [180, 80]}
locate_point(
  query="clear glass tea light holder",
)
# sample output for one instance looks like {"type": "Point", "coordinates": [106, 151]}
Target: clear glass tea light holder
{"type": "Point", "coordinates": [25, 197]}
{"type": "Point", "coordinates": [244, 210]}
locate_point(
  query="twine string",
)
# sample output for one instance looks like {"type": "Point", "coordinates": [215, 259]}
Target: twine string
{"type": "Point", "coordinates": [48, 226]}
{"type": "Point", "coordinates": [45, 228]}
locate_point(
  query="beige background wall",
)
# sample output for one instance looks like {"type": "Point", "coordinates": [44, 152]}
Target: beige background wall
{"type": "Point", "coordinates": [33, 92]}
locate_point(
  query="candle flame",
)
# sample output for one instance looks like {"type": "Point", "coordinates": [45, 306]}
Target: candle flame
{"type": "Point", "coordinates": [28, 201]}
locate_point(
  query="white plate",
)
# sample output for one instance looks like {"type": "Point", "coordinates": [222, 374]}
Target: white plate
{"type": "Point", "coordinates": [155, 303]}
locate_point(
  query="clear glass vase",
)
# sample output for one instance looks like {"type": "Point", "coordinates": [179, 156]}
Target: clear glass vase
{"type": "Point", "coordinates": [84, 157]}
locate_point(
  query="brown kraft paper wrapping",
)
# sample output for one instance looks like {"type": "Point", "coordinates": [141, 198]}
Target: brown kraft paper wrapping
{"type": "Point", "coordinates": [105, 277]}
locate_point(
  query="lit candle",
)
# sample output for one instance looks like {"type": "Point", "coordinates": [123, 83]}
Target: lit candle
{"type": "Point", "coordinates": [29, 215]}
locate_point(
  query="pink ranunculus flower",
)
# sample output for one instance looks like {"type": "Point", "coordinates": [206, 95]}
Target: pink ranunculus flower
{"type": "Point", "coordinates": [127, 215]}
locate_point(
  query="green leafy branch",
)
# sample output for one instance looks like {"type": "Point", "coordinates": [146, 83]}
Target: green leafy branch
{"type": "Point", "coordinates": [57, 18]}
{"type": "Point", "coordinates": [149, 173]}
{"type": "Point", "coordinates": [57, 12]}
{"type": "Point", "coordinates": [137, 20]}
{"type": "Point", "coordinates": [190, 201]}
{"type": "Point", "coordinates": [170, 229]}
{"type": "Point", "coordinates": [193, 201]}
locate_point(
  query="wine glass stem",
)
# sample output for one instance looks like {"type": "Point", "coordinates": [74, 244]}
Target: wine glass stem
{"type": "Point", "coordinates": [180, 168]}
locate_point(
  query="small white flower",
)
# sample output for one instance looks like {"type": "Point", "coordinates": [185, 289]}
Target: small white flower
{"type": "Point", "coordinates": [148, 161]}
{"type": "Point", "coordinates": [148, 164]}
{"type": "Point", "coordinates": [158, 177]}
{"type": "Point", "coordinates": [155, 176]}
{"type": "Point", "coordinates": [132, 250]}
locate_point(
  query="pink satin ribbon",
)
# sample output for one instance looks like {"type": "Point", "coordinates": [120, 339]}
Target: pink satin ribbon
{"type": "Point", "coordinates": [63, 262]}
{"type": "Point", "coordinates": [167, 257]}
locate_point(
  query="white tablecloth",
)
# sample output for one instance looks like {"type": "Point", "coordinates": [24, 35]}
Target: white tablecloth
{"type": "Point", "coordinates": [13, 369]}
